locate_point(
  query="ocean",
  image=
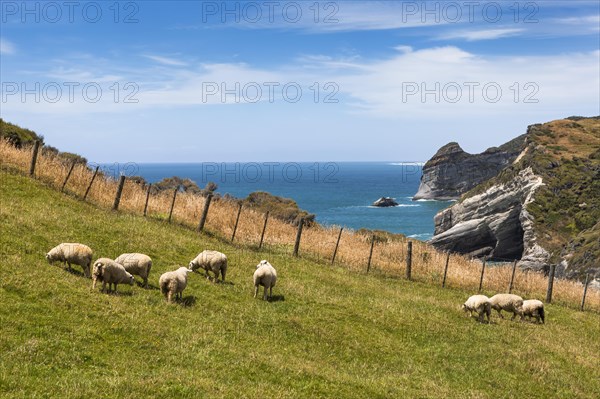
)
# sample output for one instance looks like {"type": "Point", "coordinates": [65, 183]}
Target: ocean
{"type": "Point", "coordinates": [339, 193]}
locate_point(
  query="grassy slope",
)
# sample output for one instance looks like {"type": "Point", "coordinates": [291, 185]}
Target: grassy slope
{"type": "Point", "coordinates": [332, 333]}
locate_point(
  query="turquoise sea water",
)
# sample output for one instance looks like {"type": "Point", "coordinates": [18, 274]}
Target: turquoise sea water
{"type": "Point", "coordinates": [338, 193]}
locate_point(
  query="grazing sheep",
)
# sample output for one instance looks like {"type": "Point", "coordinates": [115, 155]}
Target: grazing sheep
{"type": "Point", "coordinates": [265, 275]}
{"type": "Point", "coordinates": [68, 253]}
{"type": "Point", "coordinates": [173, 283]}
{"type": "Point", "coordinates": [136, 264]}
{"type": "Point", "coordinates": [534, 308]}
{"type": "Point", "coordinates": [508, 302]}
{"type": "Point", "coordinates": [211, 261]}
{"type": "Point", "coordinates": [111, 273]}
{"type": "Point", "coordinates": [479, 304]}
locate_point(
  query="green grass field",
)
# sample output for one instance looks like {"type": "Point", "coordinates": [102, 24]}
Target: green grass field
{"type": "Point", "coordinates": [328, 333]}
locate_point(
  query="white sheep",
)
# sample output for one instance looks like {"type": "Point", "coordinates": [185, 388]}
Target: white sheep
{"type": "Point", "coordinates": [479, 304]}
{"type": "Point", "coordinates": [173, 283]}
{"type": "Point", "coordinates": [72, 253]}
{"type": "Point", "coordinates": [508, 302]}
{"type": "Point", "coordinates": [211, 261]}
{"type": "Point", "coordinates": [265, 275]}
{"type": "Point", "coordinates": [534, 308]}
{"type": "Point", "coordinates": [136, 264]}
{"type": "Point", "coordinates": [110, 272]}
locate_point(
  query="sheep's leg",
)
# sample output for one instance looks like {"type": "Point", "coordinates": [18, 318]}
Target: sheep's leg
{"type": "Point", "coordinates": [115, 288]}
{"type": "Point", "coordinates": [513, 316]}
{"type": "Point", "coordinates": [265, 294]}
{"type": "Point", "coordinates": [104, 286]}
{"type": "Point", "coordinates": [271, 292]}
{"type": "Point", "coordinates": [169, 296]}
{"type": "Point", "coordinates": [69, 267]}
{"type": "Point", "coordinates": [255, 290]}
{"type": "Point", "coordinates": [146, 282]}
{"type": "Point", "coordinates": [500, 313]}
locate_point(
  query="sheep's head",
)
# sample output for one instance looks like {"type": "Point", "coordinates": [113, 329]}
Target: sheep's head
{"type": "Point", "coordinates": [192, 266]}
{"type": "Point", "coordinates": [49, 257]}
{"type": "Point", "coordinates": [263, 263]}
{"type": "Point", "coordinates": [98, 269]}
{"type": "Point", "coordinates": [130, 278]}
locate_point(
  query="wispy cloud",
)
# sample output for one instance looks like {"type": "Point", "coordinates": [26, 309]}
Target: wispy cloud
{"type": "Point", "coordinates": [165, 60]}
{"type": "Point", "coordinates": [485, 34]}
{"type": "Point", "coordinates": [6, 47]}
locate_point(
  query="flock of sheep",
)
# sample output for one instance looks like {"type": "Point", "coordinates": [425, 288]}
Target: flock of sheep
{"type": "Point", "coordinates": [122, 269]}
{"type": "Point", "coordinates": [482, 305]}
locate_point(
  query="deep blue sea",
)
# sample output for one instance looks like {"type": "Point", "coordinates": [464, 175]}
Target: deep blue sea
{"type": "Point", "coordinates": [338, 193]}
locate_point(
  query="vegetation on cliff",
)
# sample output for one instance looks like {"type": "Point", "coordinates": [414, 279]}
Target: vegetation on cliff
{"type": "Point", "coordinates": [566, 154]}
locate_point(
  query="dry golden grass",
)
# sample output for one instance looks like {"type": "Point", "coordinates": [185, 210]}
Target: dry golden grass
{"type": "Point", "coordinates": [318, 242]}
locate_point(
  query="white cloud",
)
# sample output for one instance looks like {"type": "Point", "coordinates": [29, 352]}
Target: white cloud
{"type": "Point", "coordinates": [485, 34]}
{"type": "Point", "coordinates": [6, 47]}
{"type": "Point", "coordinates": [165, 60]}
{"type": "Point", "coordinates": [380, 88]}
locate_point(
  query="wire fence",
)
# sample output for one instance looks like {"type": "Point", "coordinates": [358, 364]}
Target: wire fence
{"type": "Point", "coordinates": [393, 256]}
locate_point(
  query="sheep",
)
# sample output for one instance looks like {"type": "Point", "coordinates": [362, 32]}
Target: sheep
{"type": "Point", "coordinates": [479, 304]}
{"type": "Point", "coordinates": [136, 264]}
{"type": "Point", "coordinates": [111, 273]}
{"type": "Point", "coordinates": [75, 253]}
{"type": "Point", "coordinates": [174, 283]}
{"type": "Point", "coordinates": [265, 275]}
{"type": "Point", "coordinates": [534, 308]}
{"type": "Point", "coordinates": [508, 302]}
{"type": "Point", "coordinates": [211, 261]}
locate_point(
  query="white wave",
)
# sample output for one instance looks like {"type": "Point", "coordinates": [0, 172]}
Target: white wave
{"type": "Point", "coordinates": [395, 206]}
{"type": "Point", "coordinates": [433, 200]}
{"type": "Point", "coordinates": [406, 163]}
{"type": "Point", "coordinates": [427, 235]}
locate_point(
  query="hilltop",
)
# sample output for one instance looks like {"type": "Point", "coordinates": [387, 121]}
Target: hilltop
{"type": "Point", "coordinates": [330, 333]}
{"type": "Point", "coordinates": [543, 208]}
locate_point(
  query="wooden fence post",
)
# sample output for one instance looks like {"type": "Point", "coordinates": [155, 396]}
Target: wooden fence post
{"type": "Point", "coordinates": [371, 253]}
{"type": "Point", "coordinates": [512, 277]}
{"type": "Point", "coordinates": [298, 236]}
{"type": "Point", "coordinates": [62, 188]}
{"type": "Point", "coordinates": [262, 236]}
{"type": "Point", "coordinates": [119, 192]}
{"type": "Point", "coordinates": [34, 155]}
{"type": "Point", "coordinates": [87, 191]}
{"type": "Point", "coordinates": [446, 269]}
{"type": "Point", "coordinates": [205, 212]}
{"type": "Point", "coordinates": [550, 284]}
{"type": "Point", "coordinates": [585, 287]}
{"type": "Point", "coordinates": [482, 273]}
{"type": "Point", "coordinates": [173, 203]}
{"type": "Point", "coordinates": [237, 220]}
{"type": "Point", "coordinates": [409, 261]}
{"type": "Point", "coordinates": [147, 199]}
{"type": "Point", "coordinates": [337, 244]}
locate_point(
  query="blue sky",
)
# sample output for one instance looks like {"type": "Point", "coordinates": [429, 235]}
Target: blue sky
{"type": "Point", "coordinates": [238, 81]}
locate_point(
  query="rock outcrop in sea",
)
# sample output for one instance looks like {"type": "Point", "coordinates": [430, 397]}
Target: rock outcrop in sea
{"type": "Point", "coordinates": [385, 202]}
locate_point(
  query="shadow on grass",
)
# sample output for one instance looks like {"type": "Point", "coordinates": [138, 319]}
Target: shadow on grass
{"type": "Point", "coordinates": [277, 298]}
{"type": "Point", "coordinates": [150, 287]}
{"type": "Point", "coordinates": [188, 301]}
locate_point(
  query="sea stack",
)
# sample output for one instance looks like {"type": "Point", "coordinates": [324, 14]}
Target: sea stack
{"type": "Point", "coordinates": [385, 202]}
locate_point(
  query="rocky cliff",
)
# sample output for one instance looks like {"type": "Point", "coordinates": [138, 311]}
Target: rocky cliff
{"type": "Point", "coordinates": [542, 208]}
{"type": "Point", "coordinates": [452, 172]}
